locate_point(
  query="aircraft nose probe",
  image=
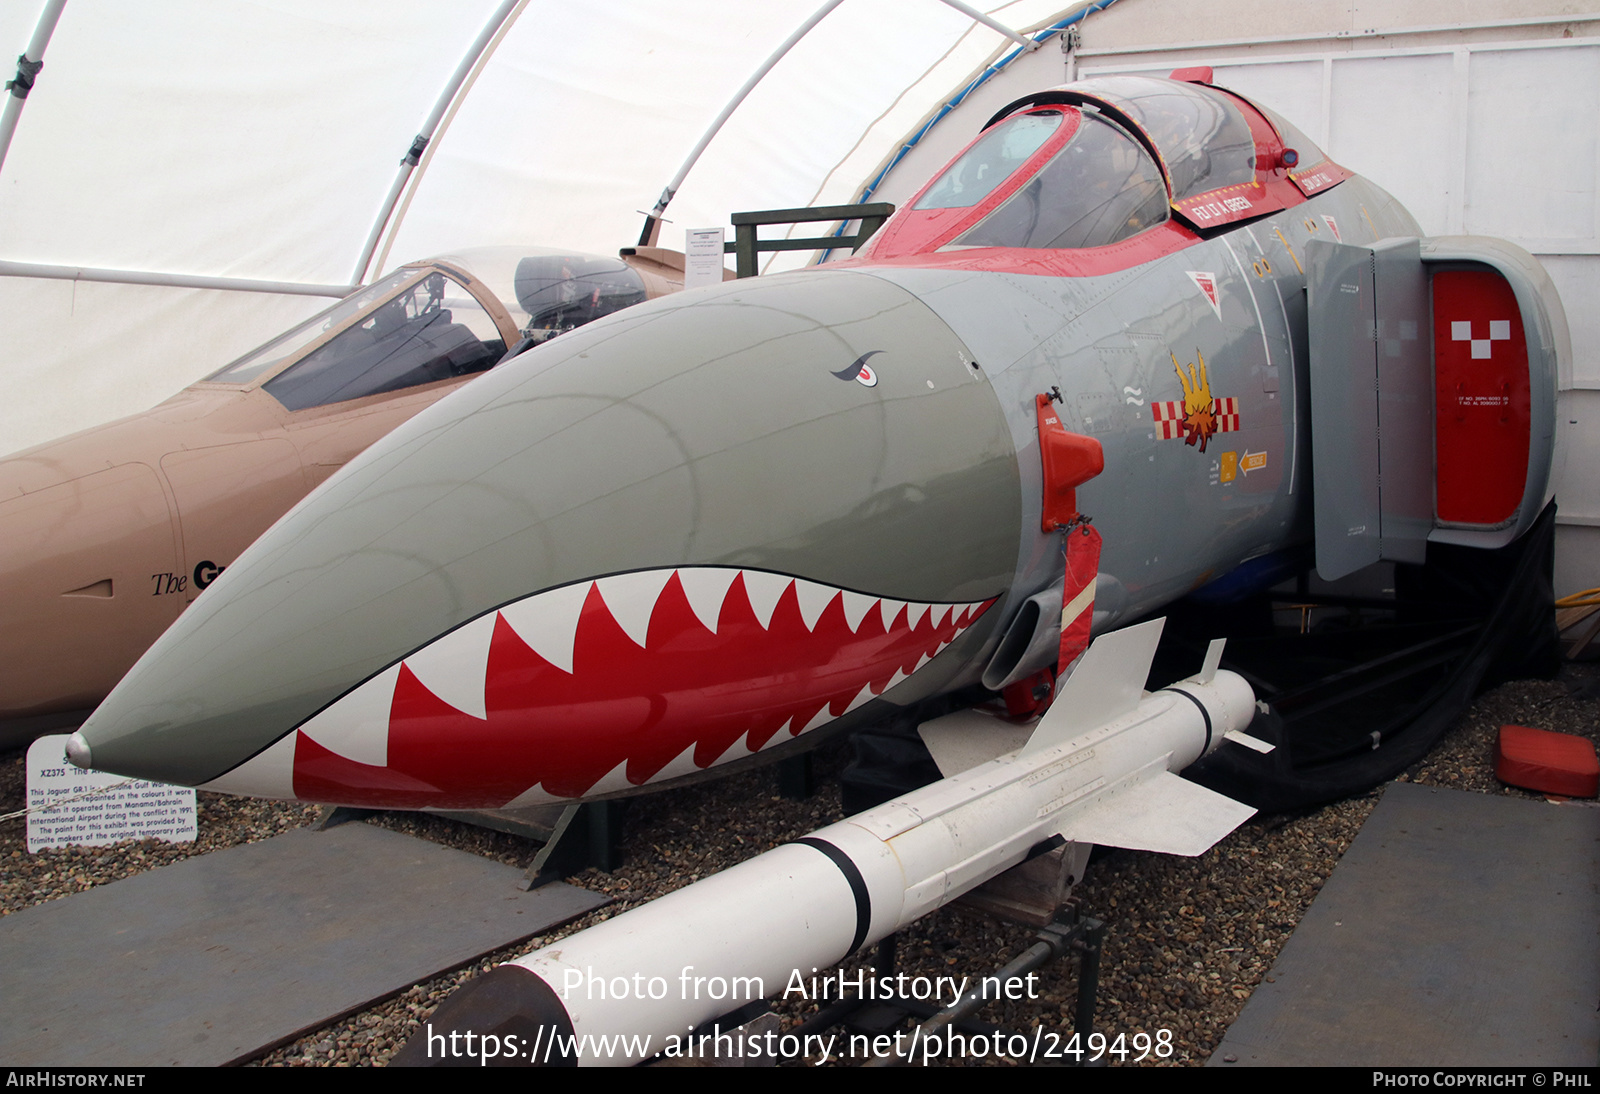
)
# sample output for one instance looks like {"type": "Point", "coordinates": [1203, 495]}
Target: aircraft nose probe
{"type": "Point", "coordinates": [78, 752]}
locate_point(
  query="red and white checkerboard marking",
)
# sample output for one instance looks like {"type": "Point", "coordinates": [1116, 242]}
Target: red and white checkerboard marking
{"type": "Point", "coordinates": [1499, 331]}
{"type": "Point", "coordinates": [1169, 417]}
{"type": "Point", "coordinates": [1227, 411]}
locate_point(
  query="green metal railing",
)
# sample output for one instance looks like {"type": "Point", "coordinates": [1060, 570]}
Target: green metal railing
{"type": "Point", "coordinates": [746, 245]}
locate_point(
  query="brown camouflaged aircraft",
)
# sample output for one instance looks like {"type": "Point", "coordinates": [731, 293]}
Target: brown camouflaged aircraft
{"type": "Point", "coordinates": [107, 535]}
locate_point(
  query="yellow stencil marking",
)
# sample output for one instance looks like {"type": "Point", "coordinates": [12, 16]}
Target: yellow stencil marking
{"type": "Point", "coordinates": [1290, 250]}
{"type": "Point", "coordinates": [1374, 227]}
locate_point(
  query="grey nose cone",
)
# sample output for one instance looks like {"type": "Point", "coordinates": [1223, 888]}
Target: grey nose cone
{"type": "Point", "coordinates": [707, 428]}
{"type": "Point", "coordinates": [78, 753]}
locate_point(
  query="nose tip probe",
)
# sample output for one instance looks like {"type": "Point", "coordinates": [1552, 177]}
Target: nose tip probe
{"type": "Point", "coordinates": [78, 753]}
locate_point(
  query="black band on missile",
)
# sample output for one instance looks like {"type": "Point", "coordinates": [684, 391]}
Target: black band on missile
{"type": "Point", "coordinates": [1204, 713]}
{"type": "Point", "coordinates": [858, 886]}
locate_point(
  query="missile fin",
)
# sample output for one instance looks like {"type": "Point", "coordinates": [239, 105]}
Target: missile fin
{"type": "Point", "coordinates": [1107, 683]}
{"type": "Point", "coordinates": [1208, 671]}
{"type": "Point", "coordinates": [1240, 737]}
{"type": "Point", "coordinates": [967, 738]}
{"type": "Point", "coordinates": [1165, 813]}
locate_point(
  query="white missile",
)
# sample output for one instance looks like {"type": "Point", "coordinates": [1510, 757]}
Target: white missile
{"type": "Point", "coordinates": [1099, 768]}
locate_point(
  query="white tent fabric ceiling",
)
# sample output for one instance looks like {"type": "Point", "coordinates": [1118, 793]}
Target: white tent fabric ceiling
{"type": "Point", "coordinates": [259, 141]}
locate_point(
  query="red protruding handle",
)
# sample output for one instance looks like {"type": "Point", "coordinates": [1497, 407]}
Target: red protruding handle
{"type": "Point", "coordinates": [1069, 461]}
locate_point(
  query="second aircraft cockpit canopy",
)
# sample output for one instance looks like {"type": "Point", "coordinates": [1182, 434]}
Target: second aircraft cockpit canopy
{"type": "Point", "coordinates": [1097, 162]}
{"type": "Point", "coordinates": [434, 321]}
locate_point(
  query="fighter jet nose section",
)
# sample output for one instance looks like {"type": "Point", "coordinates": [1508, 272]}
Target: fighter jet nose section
{"type": "Point", "coordinates": [672, 538]}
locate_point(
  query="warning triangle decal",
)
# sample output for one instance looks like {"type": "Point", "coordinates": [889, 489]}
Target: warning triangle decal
{"type": "Point", "coordinates": [1207, 284]}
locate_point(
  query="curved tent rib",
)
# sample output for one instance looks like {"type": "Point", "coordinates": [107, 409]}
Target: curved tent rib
{"type": "Point", "coordinates": [459, 83]}
{"type": "Point", "coordinates": [28, 66]}
{"type": "Point", "coordinates": [992, 23]}
{"type": "Point", "coordinates": [497, 25]}
{"type": "Point", "coordinates": [262, 160]}
{"type": "Point", "coordinates": [397, 213]}
{"type": "Point", "coordinates": [652, 224]}
{"type": "Point", "coordinates": [998, 64]}
{"type": "Point", "coordinates": [31, 62]}
{"type": "Point", "coordinates": [978, 80]}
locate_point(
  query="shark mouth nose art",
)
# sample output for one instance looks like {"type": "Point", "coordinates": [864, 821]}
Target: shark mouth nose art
{"type": "Point", "coordinates": [604, 685]}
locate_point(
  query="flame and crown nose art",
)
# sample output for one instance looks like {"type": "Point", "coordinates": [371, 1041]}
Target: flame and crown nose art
{"type": "Point", "coordinates": [605, 685]}
{"type": "Point", "coordinates": [1198, 416]}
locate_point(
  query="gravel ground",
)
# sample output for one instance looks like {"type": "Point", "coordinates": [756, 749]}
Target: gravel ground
{"type": "Point", "coordinates": [1188, 938]}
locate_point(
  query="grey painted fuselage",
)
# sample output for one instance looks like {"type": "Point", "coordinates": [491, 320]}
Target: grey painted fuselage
{"type": "Point", "coordinates": [714, 430]}
{"type": "Point", "coordinates": [1172, 517]}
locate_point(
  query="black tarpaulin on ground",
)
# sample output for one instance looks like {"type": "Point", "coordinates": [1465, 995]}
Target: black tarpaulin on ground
{"type": "Point", "coordinates": [1493, 619]}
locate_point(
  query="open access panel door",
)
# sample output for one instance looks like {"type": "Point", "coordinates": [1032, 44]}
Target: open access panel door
{"type": "Point", "coordinates": [1434, 370]}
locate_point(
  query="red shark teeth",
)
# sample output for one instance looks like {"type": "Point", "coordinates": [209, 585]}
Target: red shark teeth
{"type": "Point", "coordinates": [615, 682]}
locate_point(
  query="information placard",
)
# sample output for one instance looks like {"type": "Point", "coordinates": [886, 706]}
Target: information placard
{"type": "Point", "coordinates": [124, 809]}
{"type": "Point", "coordinates": [702, 250]}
